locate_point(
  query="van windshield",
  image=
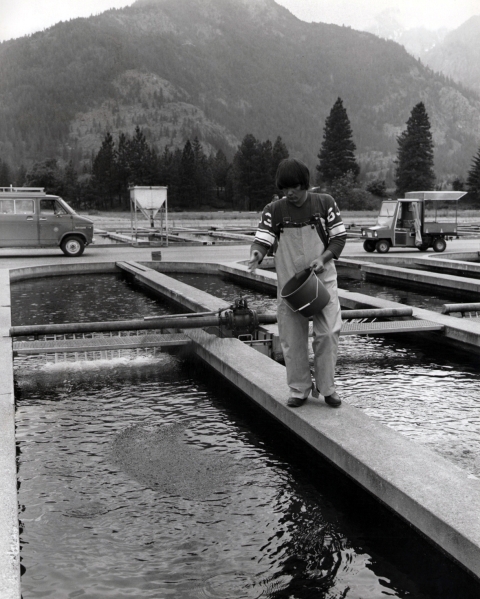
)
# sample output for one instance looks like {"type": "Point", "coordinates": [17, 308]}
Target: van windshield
{"type": "Point", "coordinates": [386, 214]}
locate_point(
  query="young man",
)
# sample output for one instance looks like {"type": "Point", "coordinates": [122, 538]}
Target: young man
{"type": "Point", "coordinates": [310, 233]}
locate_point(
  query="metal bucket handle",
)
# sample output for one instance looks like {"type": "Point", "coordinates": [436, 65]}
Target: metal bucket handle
{"type": "Point", "coordinates": [312, 300]}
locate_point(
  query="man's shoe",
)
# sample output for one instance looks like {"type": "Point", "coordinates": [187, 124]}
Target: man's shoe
{"type": "Point", "coordinates": [296, 402]}
{"type": "Point", "coordinates": [333, 400]}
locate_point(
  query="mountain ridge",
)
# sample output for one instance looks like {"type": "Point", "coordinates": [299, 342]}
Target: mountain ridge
{"type": "Point", "coordinates": [220, 70]}
{"type": "Point", "coordinates": [458, 54]}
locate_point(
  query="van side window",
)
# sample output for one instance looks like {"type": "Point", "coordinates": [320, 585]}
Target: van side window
{"type": "Point", "coordinates": [24, 207]}
{"type": "Point", "coordinates": [7, 207]}
{"type": "Point", "coordinates": [51, 207]}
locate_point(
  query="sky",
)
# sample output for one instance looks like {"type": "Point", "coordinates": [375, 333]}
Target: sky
{"type": "Point", "coordinates": [22, 17]}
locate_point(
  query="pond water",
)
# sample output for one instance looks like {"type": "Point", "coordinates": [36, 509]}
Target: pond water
{"type": "Point", "coordinates": [428, 297]}
{"type": "Point", "coordinates": [425, 390]}
{"type": "Point", "coordinates": [145, 477]}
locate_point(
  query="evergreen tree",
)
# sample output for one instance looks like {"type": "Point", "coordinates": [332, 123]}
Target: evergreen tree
{"type": "Point", "coordinates": [458, 184]}
{"type": "Point", "coordinates": [337, 153]}
{"type": "Point", "coordinates": [220, 167]}
{"type": "Point", "coordinates": [142, 160]}
{"type": "Point", "coordinates": [253, 176]}
{"type": "Point", "coordinates": [5, 174]}
{"type": "Point", "coordinates": [204, 181]}
{"type": "Point", "coordinates": [266, 180]}
{"type": "Point", "coordinates": [246, 172]}
{"type": "Point", "coordinates": [279, 153]}
{"type": "Point", "coordinates": [414, 170]}
{"type": "Point", "coordinates": [473, 179]}
{"type": "Point", "coordinates": [104, 182]}
{"type": "Point", "coordinates": [165, 163]}
{"type": "Point", "coordinates": [175, 168]}
{"type": "Point", "coordinates": [21, 176]}
{"type": "Point", "coordinates": [45, 174]}
{"type": "Point", "coordinates": [70, 185]}
{"type": "Point", "coordinates": [187, 187]}
{"type": "Point", "coordinates": [123, 168]}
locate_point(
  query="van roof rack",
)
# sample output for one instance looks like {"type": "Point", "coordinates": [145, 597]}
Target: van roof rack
{"type": "Point", "coordinates": [23, 190]}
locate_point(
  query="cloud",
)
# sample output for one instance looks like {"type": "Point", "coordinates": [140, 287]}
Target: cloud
{"type": "Point", "coordinates": [22, 17]}
{"type": "Point", "coordinates": [360, 14]}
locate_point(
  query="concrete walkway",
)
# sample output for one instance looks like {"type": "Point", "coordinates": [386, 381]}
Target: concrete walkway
{"type": "Point", "coordinates": [17, 258]}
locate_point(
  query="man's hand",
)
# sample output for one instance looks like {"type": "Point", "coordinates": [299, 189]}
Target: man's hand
{"type": "Point", "coordinates": [318, 265]}
{"type": "Point", "coordinates": [255, 258]}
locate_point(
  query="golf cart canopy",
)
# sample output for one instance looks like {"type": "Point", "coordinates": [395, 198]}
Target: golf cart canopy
{"type": "Point", "coordinates": [435, 195]}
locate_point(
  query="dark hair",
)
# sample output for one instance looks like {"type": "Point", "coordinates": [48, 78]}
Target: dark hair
{"type": "Point", "coordinates": [292, 172]}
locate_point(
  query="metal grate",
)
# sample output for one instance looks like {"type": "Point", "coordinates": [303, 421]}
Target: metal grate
{"type": "Point", "coordinates": [103, 343]}
{"type": "Point", "coordinates": [390, 326]}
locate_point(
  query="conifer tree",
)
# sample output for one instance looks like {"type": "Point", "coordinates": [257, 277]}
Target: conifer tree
{"type": "Point", "coordinates": [123, 168]}
{"type": "Point", "coordinates": [204, 181]}
{"type": "Point", "coordinates": [280, 152]}
{"type": "Point", "coordinates": [337, 153]}
{"type": "Point", "coordinates": [187, 186]}
{"type": "Point", "coordinates": [414, 170]}
{"type": "Point", "coordinates": [5, 174]}
{"type": "Point", "coordinates": [70, 184]}
{"type": "Point", "coordinates": [266, 180]}
{"type": "Point", "coordinates": [104, 173]}
{"type": "Point", "coordinates": [220, 167]}
{"type": "Point", "coordinates": [473, 179]}
{"type": "Point", "coordinates": [142, 159]}
{"type": "Point", "coordinates": [45, 174]}
{"type": "Point", "coordinates": [246, 166]}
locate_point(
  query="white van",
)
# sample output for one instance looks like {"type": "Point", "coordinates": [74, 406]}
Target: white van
{"type": "Point", "coordinates": [31, 218]}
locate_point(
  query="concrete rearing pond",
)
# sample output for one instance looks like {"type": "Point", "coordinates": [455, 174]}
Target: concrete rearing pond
{"type": "Point", "coordinates": [418, 485]}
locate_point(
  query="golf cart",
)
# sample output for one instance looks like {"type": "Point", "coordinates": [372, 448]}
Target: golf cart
{"type": "Point", "coordinates": [404, 222]}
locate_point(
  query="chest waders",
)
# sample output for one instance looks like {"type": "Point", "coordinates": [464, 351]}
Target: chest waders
{"type": "Point", "coordinates": [298, 245]}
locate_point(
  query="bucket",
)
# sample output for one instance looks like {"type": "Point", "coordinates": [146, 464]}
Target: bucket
{"type": "Point", "coordinates": [305, 293]}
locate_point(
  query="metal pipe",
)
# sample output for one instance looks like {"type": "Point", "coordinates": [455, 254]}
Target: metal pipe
{"type": "Point", "coordinates": [190, 315]}
{"type": "Point", "coordinates": [376, 313]}
{"type": "Point", "coordinates": [473, 307]}
{"type": "Point", "coordinates": [181, 322]}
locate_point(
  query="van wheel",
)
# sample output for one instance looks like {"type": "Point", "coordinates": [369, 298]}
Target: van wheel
{"type": "Point", "coordinates": [73, 246]}
{"type": "Point", "coordinates": [383, 245]}
{"type": "Point", "coordinates": [369, 245]}
{"type": "Point", "coordinates": [439, 244]}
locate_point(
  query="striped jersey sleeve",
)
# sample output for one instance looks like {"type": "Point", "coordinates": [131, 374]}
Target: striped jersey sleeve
{"type": "Point", "coordinates": [333, 219]}
{"type": "Point", "coordinates": [265, 235]}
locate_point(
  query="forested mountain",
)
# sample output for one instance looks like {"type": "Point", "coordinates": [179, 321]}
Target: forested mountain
{"type": "Point", "coordinates": [458, 54]}
{"type": "Point", "coordinates": [217, 70]}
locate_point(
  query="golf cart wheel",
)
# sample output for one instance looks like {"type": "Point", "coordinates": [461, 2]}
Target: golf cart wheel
{"type": "Point", "coordinates": [73, 246]}
{"type": "Point", "coordinates": [369, 245]}
{"type": "Point", "coordinates": [439, 244]}
{"type": "Point", "coordinates": [426, 243]}
{"type": "Point", "coordinates": [382, 246]}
